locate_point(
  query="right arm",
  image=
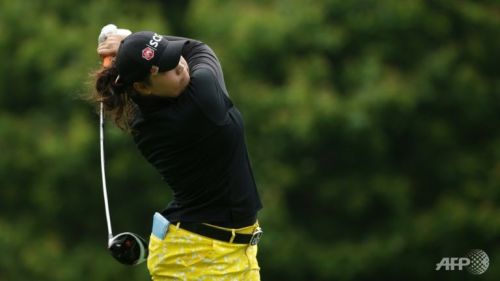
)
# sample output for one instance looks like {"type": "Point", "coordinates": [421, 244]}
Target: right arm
{"type": "Point", "coordinates": [200, 55]}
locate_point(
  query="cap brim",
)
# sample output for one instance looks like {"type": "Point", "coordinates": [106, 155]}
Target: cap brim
{"type": "Point", "coordinates": [171, 55]}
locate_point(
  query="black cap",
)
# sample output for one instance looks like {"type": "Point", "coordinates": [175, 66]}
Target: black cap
{"type": "Point", "coordinates": [140, 51]}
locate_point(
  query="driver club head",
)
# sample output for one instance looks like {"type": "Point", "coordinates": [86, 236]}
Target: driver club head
{"type": "Point", "coordinates": [128, 248]}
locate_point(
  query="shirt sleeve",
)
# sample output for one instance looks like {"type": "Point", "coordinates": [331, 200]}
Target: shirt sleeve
{"type": "Point", "coordinates": [209, 97]}
{"type": "Point", "coordinates": [200, 55]}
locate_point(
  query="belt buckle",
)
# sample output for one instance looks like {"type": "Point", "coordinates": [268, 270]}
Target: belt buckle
{"type": "Point", "coordinates": [256, 235]}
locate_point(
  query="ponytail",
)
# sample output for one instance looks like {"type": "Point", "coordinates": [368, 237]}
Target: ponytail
{"type": "Point", "coordinates": [116, 97]}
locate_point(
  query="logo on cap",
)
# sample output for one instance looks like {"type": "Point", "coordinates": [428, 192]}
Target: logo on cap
{"type": "Point", "coordinates": [148, 53]}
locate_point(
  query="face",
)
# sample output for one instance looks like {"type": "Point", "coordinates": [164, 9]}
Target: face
{"type": "Point", "coordinates": [168, 83]}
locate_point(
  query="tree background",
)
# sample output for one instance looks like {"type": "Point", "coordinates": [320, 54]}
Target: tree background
{"type": "Point", "coordinates": [373, 129]}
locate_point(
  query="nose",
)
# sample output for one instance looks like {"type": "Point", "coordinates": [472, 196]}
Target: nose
{"type": "Point", "coordinates": [179, 69]}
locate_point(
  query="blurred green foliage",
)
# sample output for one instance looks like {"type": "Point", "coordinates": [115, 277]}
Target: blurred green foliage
{"type": "Point", "coordinates": [373, 128]}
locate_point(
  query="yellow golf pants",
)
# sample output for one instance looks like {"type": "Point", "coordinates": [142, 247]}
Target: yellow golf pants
{"type": "Point", "coordinates": [183, 255]}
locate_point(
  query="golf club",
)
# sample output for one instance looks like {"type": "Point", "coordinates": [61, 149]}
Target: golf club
{"type": "Point", "coordinates": [127, 248]}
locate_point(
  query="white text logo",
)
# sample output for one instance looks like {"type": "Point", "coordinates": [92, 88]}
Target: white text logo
{"type": "Point", "coordinates": [476, 262]}
{"type": "Point", "coordinates": [153, 43]}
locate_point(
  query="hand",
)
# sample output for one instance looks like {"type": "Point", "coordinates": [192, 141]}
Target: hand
{"type": "Point", "coordinates": [109, 47]}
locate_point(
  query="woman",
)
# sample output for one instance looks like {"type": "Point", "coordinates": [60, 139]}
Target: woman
{"type": "Point", "coordinates": [169, 93]}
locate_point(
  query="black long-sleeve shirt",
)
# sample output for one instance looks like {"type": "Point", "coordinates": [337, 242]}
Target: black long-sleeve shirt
{"type": "Point", "coordinates": [197, 143]}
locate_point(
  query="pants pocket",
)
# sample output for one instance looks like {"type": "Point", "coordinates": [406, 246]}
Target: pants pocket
{"type": "Point", "coordinates": [251, 253]}
{"type": "Point", "coordinates": [154, 252]}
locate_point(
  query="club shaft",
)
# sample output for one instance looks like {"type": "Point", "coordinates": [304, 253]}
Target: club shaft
{"type": "Point", "coordinates": [103, 172]}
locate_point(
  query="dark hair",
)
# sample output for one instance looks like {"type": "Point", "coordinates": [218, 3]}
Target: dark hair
{"type": "Point", "coordinates": [116, 97]}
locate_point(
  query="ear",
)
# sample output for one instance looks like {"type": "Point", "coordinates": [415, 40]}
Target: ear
{"type": "Point", "coordinates": [142, 88]}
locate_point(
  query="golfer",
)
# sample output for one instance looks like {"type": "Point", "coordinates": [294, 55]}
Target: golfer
{"type": "Point", "coordinates": [169, 94]}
